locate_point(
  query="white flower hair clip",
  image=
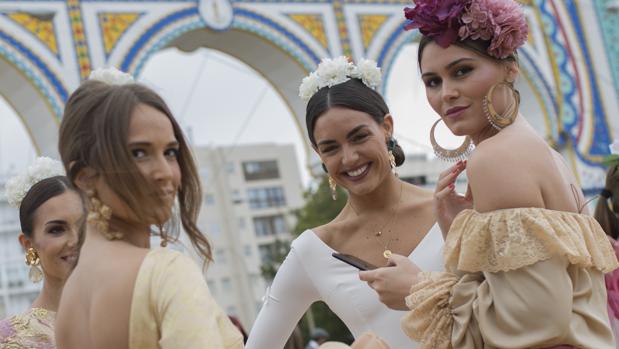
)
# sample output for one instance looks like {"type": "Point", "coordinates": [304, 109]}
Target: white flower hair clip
{"type": "Point", "coordinates": [17, 187]}
{"type": "Point", "coordinates": [111, 76]}
{"type": "Point", "coordinates": [335, 71]}
{"type": "Point", "coordinates": [614, 148]}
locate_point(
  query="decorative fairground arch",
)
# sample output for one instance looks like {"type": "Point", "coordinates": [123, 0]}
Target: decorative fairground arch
{"type": "Point", "coordinates": [570, 65]}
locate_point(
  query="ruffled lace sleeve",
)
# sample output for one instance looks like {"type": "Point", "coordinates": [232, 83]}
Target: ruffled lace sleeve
{"type": "Point", "coordinates": [510, 239]}
{"type": "Point", "coordinates": [430, 320]}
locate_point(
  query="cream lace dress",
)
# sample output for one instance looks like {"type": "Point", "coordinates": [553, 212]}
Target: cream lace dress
{"type": "Point", "coordinates": [516, 278]}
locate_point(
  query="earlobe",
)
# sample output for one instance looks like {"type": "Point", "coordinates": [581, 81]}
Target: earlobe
{"type": "Point", "coordinates": [24, 241]}
{"type": "Point", "coordinates": [388, 124]}
{"type": "Point", "coordinates": [85, 179]}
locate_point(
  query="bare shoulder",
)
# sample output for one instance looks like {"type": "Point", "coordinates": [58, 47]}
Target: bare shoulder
{"type": "Point", "coordinates": [502, 174]}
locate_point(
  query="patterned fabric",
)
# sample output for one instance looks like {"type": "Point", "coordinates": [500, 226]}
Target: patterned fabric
{"type": "Point", "coordinates": [516, 278]}
{"type": "Point", "coordinates": [509, 239]}
{"type": "Point", "coordinates": [33, 330]}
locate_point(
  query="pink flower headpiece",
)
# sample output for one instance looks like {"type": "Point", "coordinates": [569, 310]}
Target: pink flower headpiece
{"type": "Point", "coordinates": [501, 22]}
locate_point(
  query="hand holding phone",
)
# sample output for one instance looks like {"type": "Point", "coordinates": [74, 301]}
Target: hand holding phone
{"type": "Point", "coordinates": [354, 261]}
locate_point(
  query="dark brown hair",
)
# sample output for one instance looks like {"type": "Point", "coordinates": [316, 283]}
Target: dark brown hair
{"type": "Point", "coordinates": [609, 219]}
{"type": "Point", "coordinates": [352, 94]}
{"type": "Point", "coordinates": [36, 196]}
{"type": "Point", "coordinates": [94, 133]}
{"type": "Point", "coordinates": [478, 46]}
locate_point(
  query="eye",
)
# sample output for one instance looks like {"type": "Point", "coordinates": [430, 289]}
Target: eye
{"type": "Point", "coordinates": [56, 230]}
{"type": "Point", "coordinates": [462, 71]}
{"type": "Point", "coordinates": [138, 153]}
{"type": "Point", "coordinates": [172, 153]}
{"type": "Point", "coordinates": [328, 149]}
{"type": "Point", "coordinates": [359, 137]}
{"type": "Point", "coordinates": [432, 82]}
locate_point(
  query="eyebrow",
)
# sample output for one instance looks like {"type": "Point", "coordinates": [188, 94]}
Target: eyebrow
{"type": "Point", "coordinates": [57, 221]}
{"type": "Point", "coordinates": [348, 135]}
{"type": "Point", "coordinates": [448, 66]}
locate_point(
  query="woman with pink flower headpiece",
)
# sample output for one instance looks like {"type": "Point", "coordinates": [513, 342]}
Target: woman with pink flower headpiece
{"type": "Point", "coordinates": [524, 266]}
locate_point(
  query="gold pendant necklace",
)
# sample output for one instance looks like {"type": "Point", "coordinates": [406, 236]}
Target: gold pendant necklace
{"type": "Point", "coordinates": [386, 251]}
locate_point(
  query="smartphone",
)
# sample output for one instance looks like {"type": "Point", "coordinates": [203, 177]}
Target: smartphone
{"type": "Point", "coordinates": [354, 261]}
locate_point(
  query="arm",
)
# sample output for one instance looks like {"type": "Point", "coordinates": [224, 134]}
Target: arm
{"type": "Point", "coordinates": [188, 315]}
{"type": "Point", "coordinates": [492, 309]}
{"type": "Point", "coordinates": [290, 295]}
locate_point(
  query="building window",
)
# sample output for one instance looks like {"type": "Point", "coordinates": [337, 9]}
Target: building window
{"type": "Point", "coordinates": [266, 197]}
{"type": "Point", "coordinates": [270, 225]}
{"type": "Point", "coordinates": [256, 170]}
{"type": "Point", "coordinates": [416, 180]}
{"type": "Point", "coordinates": [274, 252]}
{"type": "Point", "coordinates": [236, 197]}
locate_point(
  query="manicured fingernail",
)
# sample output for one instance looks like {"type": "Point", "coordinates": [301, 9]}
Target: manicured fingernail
{"type": "Point", "coordinates": [452, 186]}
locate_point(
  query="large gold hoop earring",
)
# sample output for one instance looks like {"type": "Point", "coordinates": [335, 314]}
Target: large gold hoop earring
{"type": "Point", "coordinates": [497, 120]}
{"type": "Point", "coordinates": [32, 260]}
{"type": "Point", "coordinates": [333, 187]}
{"type": "Point", "coordinates": [99, 215]}
{"type": "Point", "coordinates": [460, 153]}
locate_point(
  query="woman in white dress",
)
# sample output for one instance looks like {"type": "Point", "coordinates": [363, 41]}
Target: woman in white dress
{"type": "Point", "coordinates": [351, 130]}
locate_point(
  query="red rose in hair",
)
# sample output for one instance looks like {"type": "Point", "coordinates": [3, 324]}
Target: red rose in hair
{"type": "Point", "coordinates": [437, 19]}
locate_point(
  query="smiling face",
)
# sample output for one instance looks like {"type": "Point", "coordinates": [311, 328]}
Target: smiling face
{"type": "Point", "coordinates": [56, 224]}
{"type": "Point", "coordinates": [352, 145]}
{"type": "Point", "coordinates": [456, 80]}
{"type": "Point", "coordinates": [155, 151]}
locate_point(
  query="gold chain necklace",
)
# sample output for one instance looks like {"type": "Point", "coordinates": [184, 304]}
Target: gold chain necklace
{"type": "Point", "coordinates": [379, 233]}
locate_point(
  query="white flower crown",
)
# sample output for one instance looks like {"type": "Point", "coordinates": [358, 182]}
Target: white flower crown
{"type": "Point", "coordinates": [17, 187]}
{"type": "Point", "coordinates": [111, 76]}
{"type": "Point", "coordinates": [336, 71]}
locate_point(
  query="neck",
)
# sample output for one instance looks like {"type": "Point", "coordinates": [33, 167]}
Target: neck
{"type": "Point", "coordinates": [383, 197]}
{"type": "Point", "coordinates": [49, 298]}
{"type": "Point", "coordinates": [132, 233]}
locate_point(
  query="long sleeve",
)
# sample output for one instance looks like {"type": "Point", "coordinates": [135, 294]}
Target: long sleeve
{"type": "Point", "coordinates": [290, 295]}
{"type": "Point", "coordinates": [553, 295]}
{"type": "Point", "coordinates": [173, 308]}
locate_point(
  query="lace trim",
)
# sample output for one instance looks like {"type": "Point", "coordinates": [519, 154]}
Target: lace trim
{"type": "Point", "coordinates": [510, 239]}
{"type": "Point", "coordinates": [430, 320]}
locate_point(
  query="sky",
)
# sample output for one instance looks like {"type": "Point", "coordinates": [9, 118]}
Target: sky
{"type": "Point", "coordinates": [219, 100]}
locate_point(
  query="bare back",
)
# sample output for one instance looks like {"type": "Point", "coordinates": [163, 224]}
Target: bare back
{"type": "Point", "coordinates": [517, 168]}
{"type": "Point", "coordinates": [96, 303]}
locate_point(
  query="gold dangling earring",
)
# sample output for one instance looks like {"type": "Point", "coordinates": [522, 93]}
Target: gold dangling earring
{"type": "Point", "coordinates": [460, 153]}
{"type": "Point", "coordinates": [333, 187]}
{"type": "Point", "coordinates": [497, 120]}
{"type": "Point", "coordinates": [99, 215]}
{"type": "Point", "coordinates": [32, 260]}
{"type": "Point", "coordinates": [163, 235]}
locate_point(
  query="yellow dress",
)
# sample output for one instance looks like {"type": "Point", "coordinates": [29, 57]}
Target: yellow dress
{"type": "Point", "coordinates": [516, 278]}
{"type": "Point", "coordinates": [33, 329]}
{"type": "Point", "coordinates": [173, 308]}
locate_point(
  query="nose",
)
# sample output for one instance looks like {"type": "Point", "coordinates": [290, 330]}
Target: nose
{"type": "Point", "coordinates": [162, 169]}
{"type": "Point", "coordinates": [350, 156]}
{"type": "Point", "coordinates": [449, 91]}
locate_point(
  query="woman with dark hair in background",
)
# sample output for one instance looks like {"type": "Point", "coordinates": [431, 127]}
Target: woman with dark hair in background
{"type": "Point", "coordinates": [351, 130]}
{"type": "Point", "coordinates": [121, 145]}
{"type": "Point", "coordinates": [51, 214]}
{"type": "Point", "coordinates": [607, 214]}
{"type": "Point", "coordinates": [524, 267]}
